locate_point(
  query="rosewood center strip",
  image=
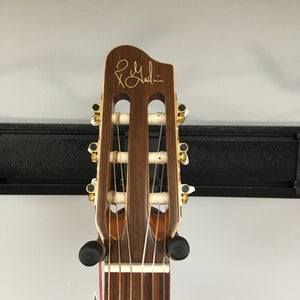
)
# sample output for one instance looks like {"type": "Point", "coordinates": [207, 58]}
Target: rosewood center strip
{"type": "Point", "coordinates": [155, 286]}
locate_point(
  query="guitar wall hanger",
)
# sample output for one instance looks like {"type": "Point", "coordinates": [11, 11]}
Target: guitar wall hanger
{"type": "Point", "coordinates": [231, 161]}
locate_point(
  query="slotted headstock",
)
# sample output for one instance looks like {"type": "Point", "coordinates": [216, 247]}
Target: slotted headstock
{"type": "Point", "coordinates": [138, 225]}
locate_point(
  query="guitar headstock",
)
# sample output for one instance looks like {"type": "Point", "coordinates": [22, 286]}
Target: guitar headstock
{"type": "Point", "coordinates": [137, 216]}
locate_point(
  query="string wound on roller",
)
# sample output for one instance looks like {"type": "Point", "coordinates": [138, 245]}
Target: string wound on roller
{"type": "Point", "coordinates": [153, 118]}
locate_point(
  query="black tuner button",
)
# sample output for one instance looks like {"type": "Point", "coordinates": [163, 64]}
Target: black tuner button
{"type": "Point", "coordinates": [92, 253]}
{"type": "Point", "coordinates": [185, 188]}
{"type": "Point", "coordinates": [96, 107]}
{"type": "Point", "coordinates": [183, 147]}
{"type": "Point", "coordinates": [90, 188]}
{"type": "Point", "coordinates": [181, 107]}
{"type": "Point", "coordinates": [93, 146]}
{"type": "Point", "coordinates": [178, 248]}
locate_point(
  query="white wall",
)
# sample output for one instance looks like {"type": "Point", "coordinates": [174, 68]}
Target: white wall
{"type": "Point", "coordinates": [236, 62]}
{"type": "Point", "coordinates": [240, 249]}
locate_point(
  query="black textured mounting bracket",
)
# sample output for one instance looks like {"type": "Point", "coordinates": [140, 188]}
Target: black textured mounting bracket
{"type": "Point", "coordinates": [238, 161]}
{"type": "Point", "coordinates": [297, 181]}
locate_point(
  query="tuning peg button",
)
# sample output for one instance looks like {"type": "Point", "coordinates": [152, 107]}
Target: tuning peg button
{"type": "Point", "coordinates": [96, 118]}
{"type": "Point", "coordinates": [185, 191]}
{"type": "Point", "coordinates": [178, 248]}
{"type": "Point", "coordinates": [96, 107]}
{"type": "Point", "coordinates": [91, 188]}
{"type": "Point", "coordinates": [181, 113]}
{"type": "Point", "coordinates": [93, 149]}
{"type": "Point", "coordinates": [92, 253]}
{"type": "Point", "coordinates": [183, 157]}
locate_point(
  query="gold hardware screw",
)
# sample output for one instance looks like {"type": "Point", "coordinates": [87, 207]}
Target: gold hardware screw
{"type": "Point", "coordinates": [181, 111]}
{"type": "Point", "coordinates": [91, 188]}
{"type": "Point", "coordinates": [94, 153]}
{"type": "Point", "coordinates": [184, 198]}
{"type": "Point", "coordinates": [94, 156]}
{"type": "Point", "coordinates": [96, 110]}
{"type": "Point", "coordinates": [92, 197]}
{"type": "Point", "coordinates": [183, 148]}
{"type": "Point", "coordinates": [184, 193]}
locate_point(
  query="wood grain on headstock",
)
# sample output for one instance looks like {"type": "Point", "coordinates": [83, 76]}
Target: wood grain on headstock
{"type": "Point", "coordinates": [131, 74]}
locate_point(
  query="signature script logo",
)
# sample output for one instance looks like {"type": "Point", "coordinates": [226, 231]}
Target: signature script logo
{"type": "Point", "coordinates": [135, 75]}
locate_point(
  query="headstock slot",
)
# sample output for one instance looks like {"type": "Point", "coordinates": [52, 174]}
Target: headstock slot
{"type": "Point", "coordinates": [116, 212]}
{"type": "Point", "coordinates": [159, 213]}
{"type": "Point", "coordinates": [121, 106]}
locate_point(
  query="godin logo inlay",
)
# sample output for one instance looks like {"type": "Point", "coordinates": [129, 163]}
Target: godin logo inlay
{"type": "Point", "coordinates": [131, 77]}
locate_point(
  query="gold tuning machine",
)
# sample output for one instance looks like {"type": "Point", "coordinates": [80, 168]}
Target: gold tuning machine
{"type": "Point", "coordinates": [91, 188]}
{"type": "Point", "coordinates": [183, 157]}
{"type": "Point", "coordinates": [93, 149]}
{"type": "Point", "coordinates": [181, 113]}
{"type": "Point", "coordinates": [185, 191]}
{"type": "Point", "coordinates": [96, 118]}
